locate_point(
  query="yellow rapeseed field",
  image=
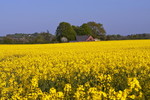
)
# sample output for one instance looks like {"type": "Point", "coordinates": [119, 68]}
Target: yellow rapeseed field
{"type": "Point", "coordinates": [104, 70]}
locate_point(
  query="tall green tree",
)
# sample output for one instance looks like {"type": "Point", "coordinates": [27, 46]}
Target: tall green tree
{"type": "Point", "coordinates": [77, 29]}
{"type": "Point", "coordinates": [97, 30]}
{"type": "Point", "coordinates": [84, 29]}
{"type": "Point", "coordinates": [65, 30]}
{"type": "Point", "coordinates": [91, 28]}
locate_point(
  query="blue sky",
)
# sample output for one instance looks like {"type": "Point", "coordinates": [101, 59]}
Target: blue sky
{"type": "Point", "coordinates": [117, 16]}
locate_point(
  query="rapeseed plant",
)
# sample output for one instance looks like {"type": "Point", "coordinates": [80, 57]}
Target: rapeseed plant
{"type": "Point", "coordinates": [109, 70]}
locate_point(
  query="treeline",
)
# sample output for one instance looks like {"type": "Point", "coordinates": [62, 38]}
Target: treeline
{"type": "Point", "coordinates": [22, 38]}
{"type": "Point", "coordinates": [66, 32]}
{"type": "Point", "coordinates": [128, 37]}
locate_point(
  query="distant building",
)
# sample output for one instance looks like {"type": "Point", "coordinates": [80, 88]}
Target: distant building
{"type": "Point", "coordinates": [84, 38]}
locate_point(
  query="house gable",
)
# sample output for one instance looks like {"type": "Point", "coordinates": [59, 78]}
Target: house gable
{"type": "Point", "coordinates": [90, 38]}
{"type": "Point", "coordinates": [84, 38]}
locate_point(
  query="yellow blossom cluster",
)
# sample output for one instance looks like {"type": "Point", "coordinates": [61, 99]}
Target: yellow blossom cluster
{"type": "Point", "coordinates": [104, 70]}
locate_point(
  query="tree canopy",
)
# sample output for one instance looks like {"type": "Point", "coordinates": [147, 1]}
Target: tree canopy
{"type": "Point", "coordinates": [97, 28]}
{"type": "Point", "coordinates": [84, 29]}
{"type": "Point", "coordinates": [65, 30]}
{"type": "Point", "coordinates": [91, 28]}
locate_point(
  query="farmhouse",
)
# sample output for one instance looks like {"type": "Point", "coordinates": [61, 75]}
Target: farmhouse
{"type": "Point", "coordinates": [84, 38]}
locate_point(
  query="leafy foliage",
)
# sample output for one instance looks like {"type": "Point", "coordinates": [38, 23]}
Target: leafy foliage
{"type": "Point", "coordinates": [128, 37]}
{"type": "Point", "coordinates": [97, 29]}
{"type": "Point", "coordinates": [91, 28]}
{"type": "Point", "coordinates": [84, 29]}
{"type": "Point", "coordinates": [21, 38]}
{"type": "Point", "coordinates": [65, 30]}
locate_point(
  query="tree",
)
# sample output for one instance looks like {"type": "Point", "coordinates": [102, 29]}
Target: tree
{"type": "Point", "coordinates": [8, 40]}
{"type": "Point", "coordinates": [65, 30]}
{"type": "Point", "coordinates": [97, 30]}
{"type": "Point", "coordinates": [1, 39]}
{"type": "Point", "coordinates": [39, 39]}
{"type": "Point", "coordinates": [84, 29]}
{"type": "Point", "coordinates": [91, 28]}
{"type": "Point", "coordinates": [77, 29]}
{"type": "Point", "coordinates": [47, 36]}
{"type": "Point", "coordinates": [43, 37]}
